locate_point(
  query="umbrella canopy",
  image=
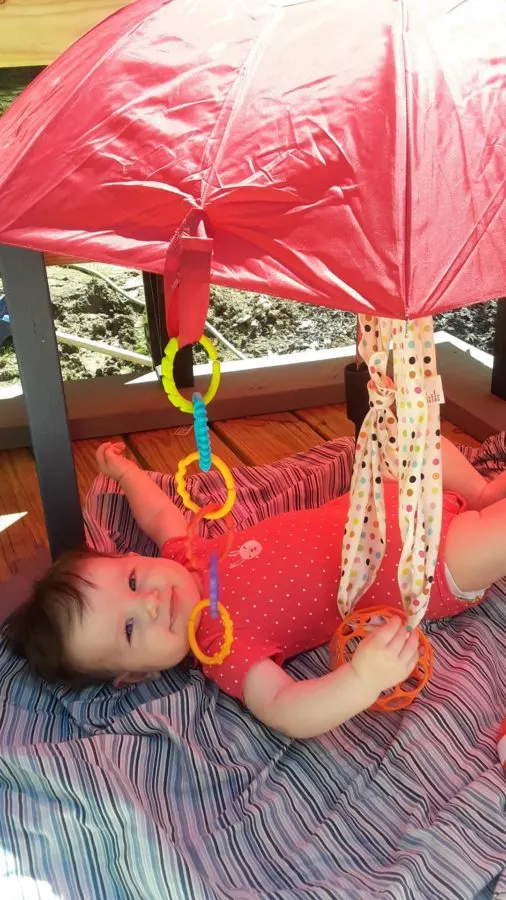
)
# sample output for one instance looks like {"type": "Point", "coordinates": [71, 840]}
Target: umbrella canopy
{"type": "Point", "coordinates": [349, 154]}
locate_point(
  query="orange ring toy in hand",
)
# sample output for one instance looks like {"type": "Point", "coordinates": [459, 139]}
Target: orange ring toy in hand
{"type": "Point", "coordinates": [356, 626]}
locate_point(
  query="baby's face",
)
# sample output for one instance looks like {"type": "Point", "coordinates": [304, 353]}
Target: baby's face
{"type": "Point", "coordinates": [136, 615]}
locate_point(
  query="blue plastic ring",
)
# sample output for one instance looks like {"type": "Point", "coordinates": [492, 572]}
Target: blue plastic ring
{"type": "Point", "coordinates": [213, 584]}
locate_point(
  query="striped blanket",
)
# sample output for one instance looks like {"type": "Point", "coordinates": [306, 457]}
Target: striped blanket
{"type": "Point", "coordinates": [172, 790]}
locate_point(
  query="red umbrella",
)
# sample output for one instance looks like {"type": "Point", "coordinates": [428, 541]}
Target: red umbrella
{"type": "Point", "coordinates": [349, 154]}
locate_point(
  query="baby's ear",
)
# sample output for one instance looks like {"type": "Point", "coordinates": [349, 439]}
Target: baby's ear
{"type": "Point", "coordinates": [126, 678]}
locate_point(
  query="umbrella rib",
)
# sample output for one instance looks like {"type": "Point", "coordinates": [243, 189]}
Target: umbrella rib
{"type": "Point", "coordinates": [239, 89]}
{"type": "Point", "coordinates": [406, 249]}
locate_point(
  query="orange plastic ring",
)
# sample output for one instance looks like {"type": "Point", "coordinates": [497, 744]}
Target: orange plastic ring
{"type": "Point", "coordinates": [353, 627]}
{"type": "Point", "coordinates": [192, 526]}
{"type": "Point", "coordinates": [228, 635]}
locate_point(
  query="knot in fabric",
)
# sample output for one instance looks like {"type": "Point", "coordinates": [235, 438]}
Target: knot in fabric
{"type": "Point", "coordinates": [381, 392]}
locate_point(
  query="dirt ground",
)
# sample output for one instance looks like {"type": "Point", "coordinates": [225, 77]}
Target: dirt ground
{"type": "Point", "coordinates": [255, 324]}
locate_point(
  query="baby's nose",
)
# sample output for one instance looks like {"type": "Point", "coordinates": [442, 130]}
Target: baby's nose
{"type": "Point", "coordinates": [153, 604]}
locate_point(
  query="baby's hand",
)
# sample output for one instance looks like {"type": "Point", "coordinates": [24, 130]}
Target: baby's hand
{"type": "Point", "coordinates": [110, 460]}
{"type": "Point", "coordinates": [387, 656]}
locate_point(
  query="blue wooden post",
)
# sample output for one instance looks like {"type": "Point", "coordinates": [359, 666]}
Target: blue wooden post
{"type": "Point", "coordinates": [27, 292]}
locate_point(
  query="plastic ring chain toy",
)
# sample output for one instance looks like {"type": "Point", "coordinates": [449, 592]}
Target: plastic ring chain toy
{"type": "Point", "coordinates": [201, 432]}
{"type": "Point", "coordinates": [227, 477]}
{"type": "Point", "coordinates": [357, 626]}
{"type": "Point", "coordinates": [197, 406]}
{"type": "Point", "coordinates": [169, 384]}
{"type": "Point", "coordinates": [213, 584]}
{"type": "Point", "coordinates": [192, 526]}
{"type": "Point", "coordinates": [228, 634]}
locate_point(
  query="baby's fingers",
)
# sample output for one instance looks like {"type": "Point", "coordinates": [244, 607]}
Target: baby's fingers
{"type": "Point", "coordinates": [387, 635]}
{"type": "Point", "coordinates": [410, 651]}
{"type": "Point", "coordinates": [401, 640]}
{"type": "Point", "coordinates": [114, 448]}
{"type": "Point", "coordinates": [101, 451]}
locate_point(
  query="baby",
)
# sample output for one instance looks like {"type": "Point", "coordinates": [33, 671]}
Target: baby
{"type": "Point", "coordinates": [124, 618]}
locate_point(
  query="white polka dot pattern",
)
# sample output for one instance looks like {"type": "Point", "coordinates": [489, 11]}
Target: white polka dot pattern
{"type": "Point", "coordinates": [282, 600]}
{"type": "Point", "coordinates": [375, 456]}
{"type": "Point", "coordinates": [420, 468]}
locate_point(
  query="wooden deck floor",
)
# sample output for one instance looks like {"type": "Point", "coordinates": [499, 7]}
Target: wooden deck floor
{"type": "Point", "coordinates": [250, 441]}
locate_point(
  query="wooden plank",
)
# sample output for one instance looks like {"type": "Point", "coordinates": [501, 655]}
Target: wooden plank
{"type": "Point", "coordinates": [328, 421]}
{"type": "Point", "coordinates": [19, 496]}
{"type": "Point", "coordinates": [34, 32]}
{"type": "Point", "coordinates": [17, 587]}
{"type": "Point", "coordinates": [118, 403]}
{"type": "Point", "coordinates": [57, 259]}
{"type": "Point", "coordinates": [255, 441]}
{"type": "Point", "coordinates": [85, 462]}
{"type": "Point", "coordinates": [456, 436]}
{"type": "Point", "coordinates": [332, 422]}
{"type": "Point", "coordinates": [266, 439]}
{"type": "Point", "coordinates": [25, 283]}
{"type": "Point", "coordinates": [162, 450]}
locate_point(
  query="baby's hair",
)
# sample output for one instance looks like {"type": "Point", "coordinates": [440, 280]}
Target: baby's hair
{"type": "Point", "coordinates": [36, 631]}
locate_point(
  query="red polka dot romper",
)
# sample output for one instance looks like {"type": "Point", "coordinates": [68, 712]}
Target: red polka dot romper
{"type": "Point", "coordinates": [279, 584]}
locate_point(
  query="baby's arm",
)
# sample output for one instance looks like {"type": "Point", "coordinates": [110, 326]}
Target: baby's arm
{"type": "Point", "coordinates": [155, 513]}
{"type": "Point", "coordinates": [304, 709]}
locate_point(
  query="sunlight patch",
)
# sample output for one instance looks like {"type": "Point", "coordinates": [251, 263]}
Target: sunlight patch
{"type": "Point", "coordinates": [22, 887]}
{"type": "Point", "coordinates": [9, 519]}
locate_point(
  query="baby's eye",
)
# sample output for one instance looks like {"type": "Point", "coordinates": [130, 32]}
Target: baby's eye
{"type": "Point", "coordinates": [132, 581]}
{"type": "Point", "coordinates": [129, 627]}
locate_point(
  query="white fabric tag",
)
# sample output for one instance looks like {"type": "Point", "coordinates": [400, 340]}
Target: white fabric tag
{"type": "Point", "coordinates": [434, 389]}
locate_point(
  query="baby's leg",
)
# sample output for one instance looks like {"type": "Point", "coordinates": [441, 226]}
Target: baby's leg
{"type": "Point", "coordinates": [475, 550]}
{"type": "Point", "coordinates": [459, 476]}
{"type": "Point", "coordinates": [462, 478]}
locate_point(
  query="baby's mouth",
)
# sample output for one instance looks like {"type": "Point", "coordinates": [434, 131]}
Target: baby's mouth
{"type": "Point", "coordinates": [170, 608]}
{"type": "Point", "coordinates": [173, 607]}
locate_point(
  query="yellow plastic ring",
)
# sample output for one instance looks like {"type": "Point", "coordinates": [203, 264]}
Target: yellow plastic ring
{"type": "Point", "coordinates": [228, 635]}
{"type": "Point", "coordinates": [227, 478]}
{"type": "Point", "coordinates": [169, 384]}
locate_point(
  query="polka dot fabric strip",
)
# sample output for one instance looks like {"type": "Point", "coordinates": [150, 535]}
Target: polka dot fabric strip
{"type": "Point", "coordinates": [409, 450]}
{"type": "Point", "coordinates": [375, 455]}
{"type": "Point", "coordinates": [420, 467]}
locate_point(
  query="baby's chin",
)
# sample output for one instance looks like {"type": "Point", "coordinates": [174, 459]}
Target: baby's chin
{"type": "Point", "coordinates": [172, 659]}
{"type": "Point", "coordinates": [188, 593]}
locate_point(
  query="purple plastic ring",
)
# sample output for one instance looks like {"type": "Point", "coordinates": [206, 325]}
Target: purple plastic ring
{"type": "Point", "coordinates": [213, 584]}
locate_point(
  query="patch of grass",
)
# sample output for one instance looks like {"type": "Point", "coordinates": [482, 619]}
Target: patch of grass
{"type": "Point", "coordinates": [13, 81]}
